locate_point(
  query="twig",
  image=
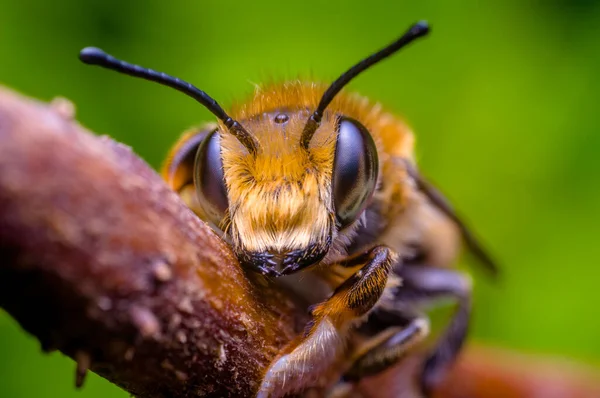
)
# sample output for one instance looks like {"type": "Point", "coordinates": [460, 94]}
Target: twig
{"type": "Point", "coordinates": [100, 260]}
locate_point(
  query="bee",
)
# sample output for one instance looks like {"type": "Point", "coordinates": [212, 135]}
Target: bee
{"type": "Point", "coordinates": [318, 188]}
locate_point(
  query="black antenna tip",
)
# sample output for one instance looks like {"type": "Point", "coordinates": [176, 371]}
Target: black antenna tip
{"type": "Point", "coordinates": [421, 28]}
{"type": "Point", "coordinates": [92, 55]}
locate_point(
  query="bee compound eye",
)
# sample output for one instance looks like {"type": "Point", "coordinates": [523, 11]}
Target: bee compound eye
{"type": "Point", "coordinates": [209, 179]}
{"type": "Point", "coordinates": [355, 170]}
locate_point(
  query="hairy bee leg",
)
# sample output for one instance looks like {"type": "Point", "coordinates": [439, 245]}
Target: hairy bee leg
{"type": "Point", "coordinates": [389, 350]}
{"type": "Point", "coordinates": [324, 340]}
{"type": "Point", "coordinates": [359, 293]}
{"type": "Point", "coordinates": [425, 284]}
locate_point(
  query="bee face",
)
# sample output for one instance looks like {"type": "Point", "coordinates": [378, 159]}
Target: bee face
{"type": "Point", "coordinates": [283, 206]}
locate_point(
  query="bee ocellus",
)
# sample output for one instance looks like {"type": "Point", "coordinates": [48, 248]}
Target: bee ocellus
{"type": "Point", "coordinates": [306, 179]}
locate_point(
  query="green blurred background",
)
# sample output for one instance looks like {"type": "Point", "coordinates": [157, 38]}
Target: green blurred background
{"type": "Point", "coordinates": [503, 97]}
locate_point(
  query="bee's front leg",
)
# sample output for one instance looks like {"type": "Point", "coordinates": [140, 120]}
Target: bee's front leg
{"type": "Point", "coordinates": [324, 339]}
{"type": "Point", "coordinates": [401, 326]}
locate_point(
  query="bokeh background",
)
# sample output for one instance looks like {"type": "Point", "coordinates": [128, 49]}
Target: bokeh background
{"type": "Point", "coordinates": [503, 97]}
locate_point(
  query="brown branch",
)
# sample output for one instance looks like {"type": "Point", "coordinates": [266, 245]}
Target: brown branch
{"type": "Point", "coordinates": [103, 262]}
{"type": "Point", "coordinates": [100, 260]}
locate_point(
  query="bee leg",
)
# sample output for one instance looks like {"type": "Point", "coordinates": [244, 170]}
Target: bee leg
{"type": "Point", "coordinates": [358, 294]}
{"type": "Point", "coordinates": [401, 332]}
{"type": "Point", "coordinates": [324, 339]}
{"type": "Point", "coordinates": [423, 285]}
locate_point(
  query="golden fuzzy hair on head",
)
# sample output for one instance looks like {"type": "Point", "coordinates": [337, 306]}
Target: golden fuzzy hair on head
{"type": "Point", "coordinates": [279, 198]}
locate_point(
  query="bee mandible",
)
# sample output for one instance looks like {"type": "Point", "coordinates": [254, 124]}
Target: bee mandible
{"type": "Point", "coordinates": [305, 179]}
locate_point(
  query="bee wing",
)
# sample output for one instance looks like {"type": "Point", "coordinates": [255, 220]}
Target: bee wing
{"type": "Point", "coordinates": [178, 168]}
{"type": "Point", "coordinates": [439, 201]}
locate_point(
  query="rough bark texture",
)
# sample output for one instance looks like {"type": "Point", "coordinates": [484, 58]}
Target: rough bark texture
{"type": "Point", "coordinates": [100, 260]}
{"type": "Point", "coordinates": [103, 262]}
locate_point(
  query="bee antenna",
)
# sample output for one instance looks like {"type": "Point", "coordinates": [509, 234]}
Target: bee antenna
{"type": "Point", "coordinates": [417, 30]}
{"type": "Point", "coordinates": [95, 56]}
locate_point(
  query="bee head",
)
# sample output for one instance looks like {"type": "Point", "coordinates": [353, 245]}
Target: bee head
{"type": "Point", "coordinates": [283, 206]}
